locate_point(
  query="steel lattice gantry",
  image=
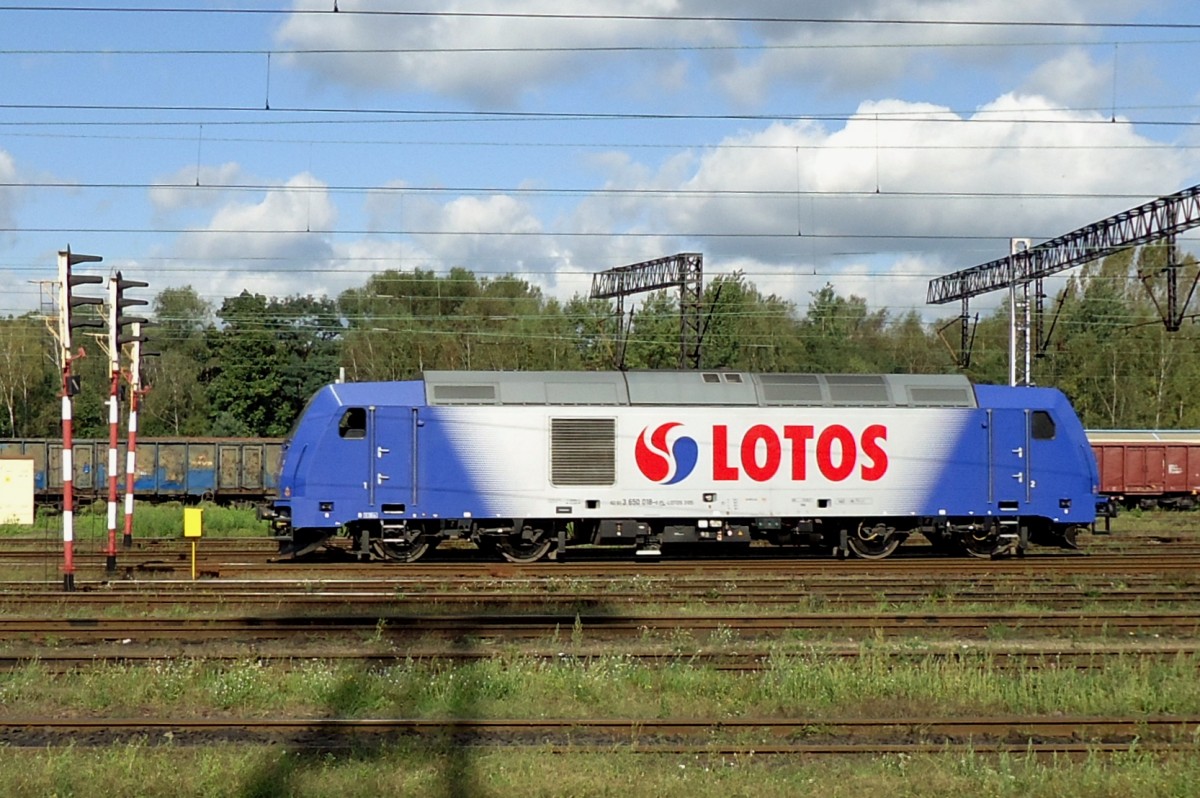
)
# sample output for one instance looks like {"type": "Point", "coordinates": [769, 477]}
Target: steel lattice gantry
{"type": "Point", "coordinates": [1157, 220]}
{"type": "Point", "coordinates": [684, 270]}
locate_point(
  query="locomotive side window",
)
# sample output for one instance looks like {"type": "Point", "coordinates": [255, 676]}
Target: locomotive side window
{"type": "Point", "coordinates": [353, 423]}
{"type": "Point", "coordinates": [1042, 426]}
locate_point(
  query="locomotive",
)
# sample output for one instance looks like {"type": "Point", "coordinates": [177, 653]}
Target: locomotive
{"type": "Point", "coordinates": [528, 464]}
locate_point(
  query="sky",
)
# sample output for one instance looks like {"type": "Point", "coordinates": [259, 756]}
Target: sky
{"type": "Point", "coordinates": [291, 149]}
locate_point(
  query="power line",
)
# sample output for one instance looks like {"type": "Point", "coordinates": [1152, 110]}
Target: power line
{"type": "Point", "coordinates": [941, 116]}
{"type": "Point", "coordinates": [635, 234]}
{"type": "Point", "coordinates": [751, 193]}
{"type": "Point", "coordinates": [824, 146]}
{"type": "Point", "coordinates": [614, 48]}
{"type": "Point", "coordinates": [333, 10]}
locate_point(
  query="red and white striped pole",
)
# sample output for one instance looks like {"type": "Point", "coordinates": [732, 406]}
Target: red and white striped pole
{"type": "Point", "coordinates": [68, 471]}
{"type": "Point", "coordinates": [114, 418]}
{"type": "Point", "coordinates": [135, 395]}
{"type": "Point", "coordinates": [67, 301]}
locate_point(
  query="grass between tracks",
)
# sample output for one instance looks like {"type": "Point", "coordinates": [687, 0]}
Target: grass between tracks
{"type": "Point", "coordinates": [512, 686]}
{"type": "Point", "coordinates": [163, 520]}
{"type": "Point", "coordinates": [516, 686]}
{"type": "Point", "coordinates": [453, 771]}
{"type": "Point", "coordinates": [795, 684]}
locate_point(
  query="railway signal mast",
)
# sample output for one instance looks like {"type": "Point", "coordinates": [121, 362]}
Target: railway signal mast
{"type": "Point", "coordinates": [135, 397]}
{"type": "Point", "coordinates": [1161, 219]}
{"type": "Point", "coordinates": [122, 329]}
{"type": "Point", "coordinates": [68, 301]}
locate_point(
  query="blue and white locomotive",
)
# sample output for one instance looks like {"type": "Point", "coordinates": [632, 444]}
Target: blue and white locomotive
{"type": "Point", "coordinates": [525, 464]}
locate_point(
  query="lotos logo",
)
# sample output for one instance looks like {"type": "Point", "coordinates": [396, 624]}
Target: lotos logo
{"type": "Point", "coordinates": [663, 463]}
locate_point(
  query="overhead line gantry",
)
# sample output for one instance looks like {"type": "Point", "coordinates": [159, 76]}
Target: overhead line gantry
{"type": "Point", "coordinates": [1160, 219]}
{"type": "Point", "coordinates": [685, 270]}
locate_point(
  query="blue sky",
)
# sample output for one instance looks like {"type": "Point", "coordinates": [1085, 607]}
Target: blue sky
{"type": "Point", "coordinates": [245, 144]}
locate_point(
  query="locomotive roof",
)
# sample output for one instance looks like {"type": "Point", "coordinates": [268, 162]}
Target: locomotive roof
{"type": "Point", "coordinates": [708, 388]}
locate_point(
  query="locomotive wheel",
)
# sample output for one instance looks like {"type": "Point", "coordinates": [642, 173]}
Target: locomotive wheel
{"type": "Point", "coordinates": [516, 549]}
{"type": "Point", "coordinates": [873, 543]}
{"type": "Point", "coordinates": [983, 544]}
{"type": "Point", "coordinates": [403, 551]}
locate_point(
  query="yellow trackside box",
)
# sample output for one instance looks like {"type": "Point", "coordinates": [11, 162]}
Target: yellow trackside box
{"type": "Point", "coordinates": [193, 522]}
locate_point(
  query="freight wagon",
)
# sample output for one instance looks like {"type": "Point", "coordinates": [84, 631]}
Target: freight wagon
{"type": "Point", "coordinates": [1148, 468]}
{"type": "Point", "coordinates": [167, 469]}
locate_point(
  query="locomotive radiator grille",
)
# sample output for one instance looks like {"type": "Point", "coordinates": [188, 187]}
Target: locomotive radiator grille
{"type": "Point", "coordinates": [583, 451]}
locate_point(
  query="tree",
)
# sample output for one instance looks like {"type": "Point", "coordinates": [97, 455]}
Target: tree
{"type": "Point", "coordinates": [842, 335]}
{"type": "Point", "coordinates": [176, 403]}
{"type": "Point", "coordinates": [742, 329]}
{"type": "Point", "coordinates": [593, 332]}
{"type": "Point", "coordinates": [269, 356]}
{"type": "Point", "coordinates": [653, 341]}
{"type": "Point", "coordinates": [28, 375]}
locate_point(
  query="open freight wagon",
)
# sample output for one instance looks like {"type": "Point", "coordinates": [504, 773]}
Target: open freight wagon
{"type": "Point", "coordinates": [167, 469]}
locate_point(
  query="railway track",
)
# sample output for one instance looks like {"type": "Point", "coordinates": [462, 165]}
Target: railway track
{"type": "Point", "coordinates": [532, 626]}
{"type": "Point", "coordinates": [239, 565]}
{"type": "Point", "coordinates": [1060, 597]}
{"type": "Point", "coordinates": [759, 736]}
{"type": "Point", "coordinates": [742, 661]}
{"type": "Point", "coordinates": [92, 548]}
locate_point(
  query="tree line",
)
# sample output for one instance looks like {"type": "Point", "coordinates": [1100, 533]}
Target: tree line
{"type": "Point", "coordinates": [247, 366]}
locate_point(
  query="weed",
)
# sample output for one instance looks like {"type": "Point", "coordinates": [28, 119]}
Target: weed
{"type": "Point", "coordinates": [380, 629]}
{"type": "Point", "coordinates": [577, 631]}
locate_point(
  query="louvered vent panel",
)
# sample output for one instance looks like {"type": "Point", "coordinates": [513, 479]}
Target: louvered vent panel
{"type": "Point", "coordinates": [583, 451]}
{"type": "Point", "coordinates": [939, 397]}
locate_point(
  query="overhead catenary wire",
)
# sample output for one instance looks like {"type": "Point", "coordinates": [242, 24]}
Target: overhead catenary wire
{"type": "Point", "coordinates": [582, 48]}
{"type": "Point", "coordinates": [458, 116]}
{"type": "Point", "coordinates": [318, 188]}
{"type": "Point", "coordinates": [332, 10]}
{"type": "Point", "coordinates": [940, 116]}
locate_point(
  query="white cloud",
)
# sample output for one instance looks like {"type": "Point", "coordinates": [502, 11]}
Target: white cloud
{"type": "Point", "coordinates": [9, 193]}
{"type": "Point", "coordinates": [836, 56]}
{"type": "Point", "coordinates": [191, 187]}
{"type": "Point", "coordinates": [858, 57]}
{"type": "Point", "coordinates": [277, 241]}
{"type": "Point", "coordinates": [492, 235]}
{"type": "Point", "coordinates": [489, 235]}
{"type": "Point", "coordinates": [878, 206]}
{"type": "Point", "coordinates": [1072, 79]}
{"type": "Point", "coordinates": [799, 202]}
{"type": "Point", "coordinates": [1049, 171]}
{"type": "Point", "coordinates": [485, 79]}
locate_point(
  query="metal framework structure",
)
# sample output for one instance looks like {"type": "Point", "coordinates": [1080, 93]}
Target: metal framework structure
{"type": "Point", "coordinates": [685, 270]}
{"type": "Point", "coordinates": [1160, 219]}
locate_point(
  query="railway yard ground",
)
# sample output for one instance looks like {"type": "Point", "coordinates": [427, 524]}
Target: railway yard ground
{"type": "Point", "coordinates": [1064, 673]}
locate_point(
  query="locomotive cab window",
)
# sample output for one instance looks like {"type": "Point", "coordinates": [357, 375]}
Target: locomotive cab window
{"type": "Point", "coordinates": [353, 423]}
{"type": "Point", "coordinates": [1042, 426]}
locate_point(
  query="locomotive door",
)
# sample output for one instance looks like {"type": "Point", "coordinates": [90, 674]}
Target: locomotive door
{"type": "Point", "coordinates": [349, 465]}
{"type": "Point", "coordinates": [391, 433]}
{"type": "Point", "coordinates": [1008, 459]}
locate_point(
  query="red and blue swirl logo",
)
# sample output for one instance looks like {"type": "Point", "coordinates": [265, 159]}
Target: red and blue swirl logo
{"type": "Point", "coordinates": [665, 457]}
